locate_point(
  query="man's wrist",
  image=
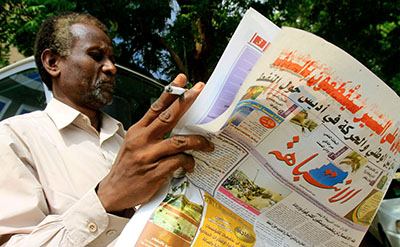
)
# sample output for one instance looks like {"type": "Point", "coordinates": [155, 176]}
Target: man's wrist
{"type": "Point", "coordinates": [126, 213]}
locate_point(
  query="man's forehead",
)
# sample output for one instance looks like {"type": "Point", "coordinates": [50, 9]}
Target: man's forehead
{"type": "Point", "coordinates": [84, 29]}
{"type": "Point", "coordinates": [85, 32]}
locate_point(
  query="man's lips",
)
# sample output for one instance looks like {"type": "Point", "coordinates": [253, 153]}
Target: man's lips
{"type": "Point", "coordinates": [108, 87]}
{"type": "Point", "coordinates": [106, 84]}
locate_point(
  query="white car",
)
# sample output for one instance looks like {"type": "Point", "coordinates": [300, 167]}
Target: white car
{"type": "Point", "coordinates": [386, 224]}
{"type": "Point", "coordinates": [22, 91]}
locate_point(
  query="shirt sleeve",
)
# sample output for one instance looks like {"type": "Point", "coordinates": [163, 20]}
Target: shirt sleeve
{"type": "Point", "coordinates": [24, 213]}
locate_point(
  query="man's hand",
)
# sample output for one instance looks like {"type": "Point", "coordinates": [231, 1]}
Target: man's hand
{"type": "Point", "coordinates": [145, 159]}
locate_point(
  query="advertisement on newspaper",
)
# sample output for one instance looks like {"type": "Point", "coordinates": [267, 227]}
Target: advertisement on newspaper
{"type": "Point", "coordinates": [190, 217]}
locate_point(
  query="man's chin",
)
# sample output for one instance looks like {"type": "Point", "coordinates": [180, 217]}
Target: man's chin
{"type": "Point", "coordinates": [100, 102]}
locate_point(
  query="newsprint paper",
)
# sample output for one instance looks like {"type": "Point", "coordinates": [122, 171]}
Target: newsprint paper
{"type": "Point", "coordinates": [305, 148]}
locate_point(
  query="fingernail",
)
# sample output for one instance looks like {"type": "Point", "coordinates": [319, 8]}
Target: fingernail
{"type": "Point", "coordinates": [198, 86]}
{"type": "Point", "coordinates": [212, 145]}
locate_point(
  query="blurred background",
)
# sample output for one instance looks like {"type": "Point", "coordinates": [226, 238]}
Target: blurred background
{"type": "Point", "coordinates": [162, 38]}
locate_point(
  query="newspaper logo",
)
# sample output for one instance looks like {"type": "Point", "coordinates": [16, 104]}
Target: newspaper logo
{"type": "Point", "coordinates": [259, 42]}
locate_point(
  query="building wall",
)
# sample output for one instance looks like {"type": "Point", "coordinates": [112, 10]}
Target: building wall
{"type": "Point", "coordinates": [15, 55]}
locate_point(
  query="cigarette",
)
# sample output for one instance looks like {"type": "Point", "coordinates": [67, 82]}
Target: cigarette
{"type": "Point", "coordinates": [175, 90]}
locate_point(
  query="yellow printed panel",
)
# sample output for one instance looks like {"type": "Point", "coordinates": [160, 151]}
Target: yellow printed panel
{"type": "Point", "coordinates": [222, 227]}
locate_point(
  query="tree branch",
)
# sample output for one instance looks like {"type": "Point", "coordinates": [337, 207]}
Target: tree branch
{"type": "Point", "coordinates": [175, 57]}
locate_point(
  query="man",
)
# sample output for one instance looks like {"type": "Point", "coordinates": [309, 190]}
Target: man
{"type": "Point", "coordinates": [69, 175]}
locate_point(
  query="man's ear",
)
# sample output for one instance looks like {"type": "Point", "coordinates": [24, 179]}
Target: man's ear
{"type": "Point", "coordinates": [50, 62]}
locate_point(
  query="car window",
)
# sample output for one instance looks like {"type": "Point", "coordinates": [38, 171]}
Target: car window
{"type": "Point", "coordinates": [394, 188]}
{"type": "Point", "coordinates": [21, 93]}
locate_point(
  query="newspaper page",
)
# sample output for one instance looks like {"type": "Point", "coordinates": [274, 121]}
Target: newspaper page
{"type": "Point", "coordinates": [251, 39]}
{"type": "Point", "coordinates": [303, 157]}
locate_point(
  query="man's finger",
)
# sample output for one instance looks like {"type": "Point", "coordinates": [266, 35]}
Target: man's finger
{"type": "Point", "coordinates": [162, 102]}
{"type": "Point", "coordinates": [171, 146]}
{"type": "Point", "coordinates": [167, 119]}
{"type": "Point", "coordinates": [170, 164]}
{"type": "Point", "coordinates": [177, 144]}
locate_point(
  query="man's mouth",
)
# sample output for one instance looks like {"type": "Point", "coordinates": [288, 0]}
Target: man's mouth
{"type": "Point", "coordinates": [107, 84]}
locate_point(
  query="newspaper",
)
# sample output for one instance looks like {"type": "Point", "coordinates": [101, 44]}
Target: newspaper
{"type": "Point", "coordinates": [251, 39]}
{"type": "Point", "coordinates": [304, 154]}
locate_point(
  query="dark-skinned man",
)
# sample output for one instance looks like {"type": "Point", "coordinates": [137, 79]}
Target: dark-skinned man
{"type": "Point", "coordinates": [70, 175]}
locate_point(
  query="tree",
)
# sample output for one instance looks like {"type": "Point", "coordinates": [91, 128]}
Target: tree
{"type": "Point", "coordinates": [143, 32]}
{"type": "Point", "coordinates": [20, 21]}
{"type": "Point", "coordinates": [191, 42]}
{"type": "Point", "coordinates": [189, 36]}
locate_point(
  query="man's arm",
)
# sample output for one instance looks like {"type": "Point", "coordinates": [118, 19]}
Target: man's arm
{"type": "Point", "coordinates": [146, 159]}
{"type": "Point", "coordinates": [144, 162]}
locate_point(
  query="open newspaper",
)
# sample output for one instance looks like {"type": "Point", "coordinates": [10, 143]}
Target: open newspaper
{"type": "Point", "coordinates": [306, 143]}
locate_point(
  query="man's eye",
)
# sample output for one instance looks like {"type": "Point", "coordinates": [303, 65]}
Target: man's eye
{"type": "Point", "coordinates": [96, 56]}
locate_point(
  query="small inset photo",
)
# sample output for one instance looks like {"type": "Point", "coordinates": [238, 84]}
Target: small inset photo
{"type": "Point", "coordinates": [255, 187]}
{"type": "Point", "coordinates": [304, 122]}
{"type": "Point", "coordinates": [253, 92]}
{"type": "Point", "coordinates": [352, 162]}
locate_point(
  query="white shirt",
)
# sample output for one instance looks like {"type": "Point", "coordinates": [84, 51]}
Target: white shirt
{"type": "Point", "coordinates": [51, 162]}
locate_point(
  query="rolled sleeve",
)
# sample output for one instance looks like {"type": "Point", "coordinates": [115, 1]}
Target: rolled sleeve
{"type": "Point", "coordinates": [86, 223]}
{"type": "Point", "coordinates": [89, 224]}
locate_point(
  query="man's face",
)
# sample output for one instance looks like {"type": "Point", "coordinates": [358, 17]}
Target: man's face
{"type": "Point", "coordinates": [87, 78]}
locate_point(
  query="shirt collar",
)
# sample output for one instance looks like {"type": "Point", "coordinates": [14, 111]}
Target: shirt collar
{"type": "Point", "coordinates": [61, 114]}
{"type": "Point", "coordinates": [64, 115]}
{"type": "Point", "coordinates": [110, 126]}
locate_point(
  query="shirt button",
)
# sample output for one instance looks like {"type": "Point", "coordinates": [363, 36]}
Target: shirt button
{"type": "Point", "coordinates": [92, 227]}
{"type": "Point", "coordinates": [111, 232]}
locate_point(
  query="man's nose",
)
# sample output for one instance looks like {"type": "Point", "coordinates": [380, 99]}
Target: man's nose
{"type": "Point", "coordinates": [109, 67]}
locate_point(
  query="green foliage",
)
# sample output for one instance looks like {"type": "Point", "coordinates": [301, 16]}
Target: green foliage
{"type": "Point", "coordinates": [134, 26]}
{"type": "Point", "coordinates": [201, 32]}
{"type": "Point", "coordinates": [167, 37]}
{"type": "Point", "coordinates": [20, 21]}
